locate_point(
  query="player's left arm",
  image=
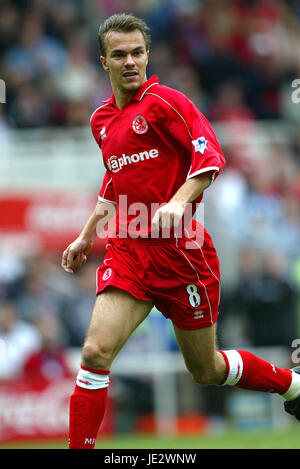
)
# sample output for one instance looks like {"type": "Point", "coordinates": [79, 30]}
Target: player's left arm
{"type": "Point", "coordinates": [193, 131]}
{"type": "Point", "coordinates": [171, 214]}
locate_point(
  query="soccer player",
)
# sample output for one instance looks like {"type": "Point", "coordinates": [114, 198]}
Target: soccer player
{"type": "Point", "coordinates": [160, 154]}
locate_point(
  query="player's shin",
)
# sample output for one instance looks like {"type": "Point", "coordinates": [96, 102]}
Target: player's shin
{"type": "Point", "coordinates": [247, 371]}
{"type": "Point", "coordinates": [87, 407]}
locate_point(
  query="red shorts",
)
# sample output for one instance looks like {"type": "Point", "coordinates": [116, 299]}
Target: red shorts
{"type": "Point", "coordinates": [183, 283]}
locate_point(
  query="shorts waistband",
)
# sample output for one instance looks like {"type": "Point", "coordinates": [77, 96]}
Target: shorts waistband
{"type": "Point", "coordinates": [149, 241]}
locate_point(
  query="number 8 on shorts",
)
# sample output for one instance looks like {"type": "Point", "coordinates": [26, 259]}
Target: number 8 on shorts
{"type": "Point", "coordinates": [194, 297]}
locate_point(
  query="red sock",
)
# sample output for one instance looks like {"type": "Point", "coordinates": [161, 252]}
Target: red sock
{"type": "Point", "coordinates": [87, 407]}
{"type": "Point", "coordinates": [247, 371]}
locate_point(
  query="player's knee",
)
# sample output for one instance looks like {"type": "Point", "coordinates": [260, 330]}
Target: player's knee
{"type": "Point", "coordinates": [206, 377]}
{"type": "Point", "coordinates": [96, 356]}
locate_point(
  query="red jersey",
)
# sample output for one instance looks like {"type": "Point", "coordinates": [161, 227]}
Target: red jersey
{"type": "Point", "coordinates": [150, 147]}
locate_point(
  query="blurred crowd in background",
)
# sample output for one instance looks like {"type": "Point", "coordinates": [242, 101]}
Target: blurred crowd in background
{"type": "Point", "coordinates": [236, 59]}
{"type": "Point", "coordinates": [233, 58]}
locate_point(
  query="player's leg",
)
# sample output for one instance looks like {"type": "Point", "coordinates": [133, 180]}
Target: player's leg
{"type": "Point", "coordinates": [115, 316]}
{"type": "Point", "coordinates": [203, 361]}
{"type": "Point", "coordinates": [233, 367]}
{"type": "Point", "coordinates": [207, 364]}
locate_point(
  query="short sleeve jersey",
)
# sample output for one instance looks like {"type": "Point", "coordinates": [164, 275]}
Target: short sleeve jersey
{"type": "Point", "coordinates": [150, 147]}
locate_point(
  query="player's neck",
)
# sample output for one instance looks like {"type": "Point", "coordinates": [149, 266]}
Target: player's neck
{"type": "Point", "coordinates": [122, 98]}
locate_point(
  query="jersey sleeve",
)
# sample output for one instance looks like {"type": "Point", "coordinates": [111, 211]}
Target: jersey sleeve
{"type": "Point", "coordinates": [96, 128]}
{"type": "Point", "coordinates": [191, 128]}
{"type": "Point", "coordinates": [106, 193]}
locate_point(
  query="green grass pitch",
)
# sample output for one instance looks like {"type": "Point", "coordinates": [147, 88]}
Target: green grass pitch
{"type": "Point", "coordinates": [288, 438]}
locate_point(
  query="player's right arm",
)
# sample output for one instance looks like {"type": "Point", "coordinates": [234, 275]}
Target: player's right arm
{"type": "Point", "coordinates": [76, 253]}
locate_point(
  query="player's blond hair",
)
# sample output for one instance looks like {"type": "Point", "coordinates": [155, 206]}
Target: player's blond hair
{"type": "Point", "coordinates": [125, 23]}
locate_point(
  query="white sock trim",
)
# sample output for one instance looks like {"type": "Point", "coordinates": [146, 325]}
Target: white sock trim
{"type": "Point", "coordinates": [294, 389]}
{"type": "Point", "coordinates": [89, 380]}
{"type": "Point", "coordinates": [235, 367]}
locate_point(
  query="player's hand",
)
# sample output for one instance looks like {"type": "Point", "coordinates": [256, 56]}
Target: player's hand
{"type": "Point", "coordinates": [168, 215]}
{"type": "Point", "coordinates": [75, 255]}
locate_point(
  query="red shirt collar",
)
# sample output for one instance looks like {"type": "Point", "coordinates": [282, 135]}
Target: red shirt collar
{"type": "Point", "coordinates": [140, 92]}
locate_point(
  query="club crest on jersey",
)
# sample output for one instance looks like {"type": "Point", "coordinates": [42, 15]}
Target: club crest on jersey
{"type": "Point", "coordinates": [139, 125]}
{"type": "Point", "coordinates": [107, 274]}
{"type": "Point", "coordinates": [200, 144]}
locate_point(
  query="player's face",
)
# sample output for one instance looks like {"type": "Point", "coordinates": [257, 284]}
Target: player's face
{"type": "Point", "coordinates": [126, 60]}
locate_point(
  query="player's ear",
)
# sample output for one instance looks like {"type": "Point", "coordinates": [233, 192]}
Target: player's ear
{"type": "Point", "coordinates": [103, 61]}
